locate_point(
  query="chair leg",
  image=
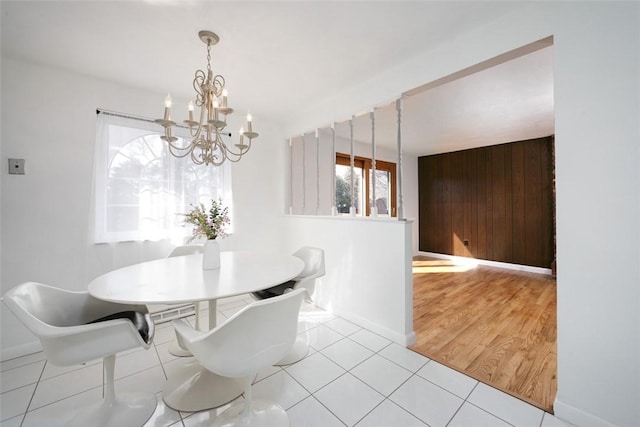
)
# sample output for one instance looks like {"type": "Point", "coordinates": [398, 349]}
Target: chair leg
{"type": "Point", "coordinates": [196, 310]}
{"type": "Point", "coordinates": [109, 364]}
{"type": "Point", "coordinates": [124, 409]}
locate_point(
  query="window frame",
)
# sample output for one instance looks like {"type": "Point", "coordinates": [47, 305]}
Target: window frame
{"type": "Point", "coordinates": [366, 164]}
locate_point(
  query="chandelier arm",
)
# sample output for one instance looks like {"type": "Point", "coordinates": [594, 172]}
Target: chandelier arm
{"type": "Point", "coordinates": [241, 152]}
{"type": "Point", "coordinates": [168, 139]}
{"type": "Point", "coordinates": [179, 155]}
{"type": "Point", "coordinates": [234, 157]}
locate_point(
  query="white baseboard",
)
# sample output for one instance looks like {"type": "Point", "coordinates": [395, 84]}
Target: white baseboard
{"type": "Point", "coordinates": [410, 339]}
{"type": "Point", "coordinates": [505, 265]}
{"type": "Point", "coordinates": [403, 340]}
{"type": "Point", "coordinates": [577, 417]}
{"type": "Point", "coordinates": [20, 350]}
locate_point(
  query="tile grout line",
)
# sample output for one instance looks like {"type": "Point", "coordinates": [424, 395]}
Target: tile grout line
{"type": "Point", "coordinates": [313, 394]}
{"type": "Point", "coordinates": [466, 400]}
{"type": "Point", "coordinates": [24, 415]}
{"type": "Point", "coordinates": [461, 405]}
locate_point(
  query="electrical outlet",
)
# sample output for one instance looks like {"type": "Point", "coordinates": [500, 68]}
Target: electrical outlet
{"type": "Point", "coordinates": [16, 166]}
{"type": "Point", "coordinates": [466, 242]}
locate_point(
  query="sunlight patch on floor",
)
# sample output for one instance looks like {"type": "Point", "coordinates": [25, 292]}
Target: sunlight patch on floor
{"type": "Point", "coordinates": [443, 266]}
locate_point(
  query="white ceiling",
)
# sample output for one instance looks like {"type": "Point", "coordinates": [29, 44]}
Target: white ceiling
{"type": "Point", "coordinates": [279, 56]}
{"type": "Point", "coordinates": [511, 101]}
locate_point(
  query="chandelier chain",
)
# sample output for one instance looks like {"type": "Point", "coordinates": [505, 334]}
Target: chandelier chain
{"type": "Point", "coordinates": [208, 56]}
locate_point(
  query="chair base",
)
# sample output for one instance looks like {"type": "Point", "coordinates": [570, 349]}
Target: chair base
{"type": "Point", "coordinates": [299, 350]}
{"type": "Point", "coordinates": [176, 350]}
{"type": "Point", "coordinates": [192, 388]}
{"type": "Point", "coordinates": [128, 409]}
{"type": "Point", "coordinates": [263, 414]}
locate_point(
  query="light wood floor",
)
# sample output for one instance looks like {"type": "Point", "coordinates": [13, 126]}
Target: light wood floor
{"type": "Point", "coordinates": [495, 325]}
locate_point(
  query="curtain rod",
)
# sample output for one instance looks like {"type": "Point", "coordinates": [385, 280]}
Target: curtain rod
{"type": "Point", "coordinates": [126, 116]}
{"type": "Point", "coordinates": [142, 119]}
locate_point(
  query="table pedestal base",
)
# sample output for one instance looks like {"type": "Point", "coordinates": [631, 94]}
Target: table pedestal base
{"type": "Point", "coordinates": [193, 388]}
{"type": "Point", "coordinates": [180, 351]}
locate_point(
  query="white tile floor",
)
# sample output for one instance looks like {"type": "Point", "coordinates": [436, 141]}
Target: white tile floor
{"type": "Point", "coordinates": [351, 377]}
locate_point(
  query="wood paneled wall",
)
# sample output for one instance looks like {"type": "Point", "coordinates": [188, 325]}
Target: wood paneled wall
{"type": "Point", "coordinates": [493, 203]}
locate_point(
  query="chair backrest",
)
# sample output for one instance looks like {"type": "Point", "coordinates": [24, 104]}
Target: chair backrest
{"type": "Point", "coordinates": [256, 337]}
{"type": "Point", "coordinates": [185, 250]}
{"type": "Point", "coordinates": [313, 259]}
{"type": "Point", "coordinates": [60, 319]}
{"type": "Point", "coordinates": [41, 308]}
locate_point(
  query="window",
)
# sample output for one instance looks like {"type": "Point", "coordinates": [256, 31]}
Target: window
{"type": "Point", "coordinates": [141, 189]}
{"type": "Point", "coordinates": [385, 182]}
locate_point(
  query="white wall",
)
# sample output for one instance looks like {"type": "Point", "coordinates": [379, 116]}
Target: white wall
{"type": "Point", "coordinates": [596, 72]}
{"type": "Point", "coordinates": [597, 96]}
{"type": "Point", "coordinates": [365, 281]}
{"type": "Point", "coordinates": [48, 119]}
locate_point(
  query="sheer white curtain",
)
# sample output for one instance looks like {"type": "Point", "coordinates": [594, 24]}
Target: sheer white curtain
{"type": "Point", "coordinates": [140, 191]}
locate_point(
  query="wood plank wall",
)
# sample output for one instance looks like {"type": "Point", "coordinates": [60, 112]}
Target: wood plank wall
{"type": "Point", "coordinates": [493, 203]}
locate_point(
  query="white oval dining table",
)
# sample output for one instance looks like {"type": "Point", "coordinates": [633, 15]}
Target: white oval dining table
{"type": "Point", "coordinates": [181, 279]}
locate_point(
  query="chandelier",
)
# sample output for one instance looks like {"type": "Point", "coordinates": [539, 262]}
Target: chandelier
{"type": "Point", "coordinates": [207, 146]}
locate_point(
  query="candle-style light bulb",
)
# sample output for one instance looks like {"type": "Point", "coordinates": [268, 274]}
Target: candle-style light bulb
{"type": "Point", "coordinates": [167, 107]}
{"type": "Point", "coordinates": [241, 133]}
{"type": "Point", "coordinates": [190, 107]}
{"type": "Point", "coordinates": [216, 105]}
{"type": "Point", "coordinates": [249, 124]}
{"type": "Point", "coordinates": [225, 93]}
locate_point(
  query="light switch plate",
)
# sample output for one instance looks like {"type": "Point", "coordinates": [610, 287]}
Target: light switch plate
{"type": "Point", "coordinates": [16, 166]}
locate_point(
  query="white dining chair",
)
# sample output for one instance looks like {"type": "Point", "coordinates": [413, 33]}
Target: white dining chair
{"type": "Point", "coordinates": [313, 259]}
{"type": "Point", "coordinates": [314, 268]}
{"type": "Point", "coordinates": [254, 338]}
{"type": "Point", "coordinates": [75, 328]}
